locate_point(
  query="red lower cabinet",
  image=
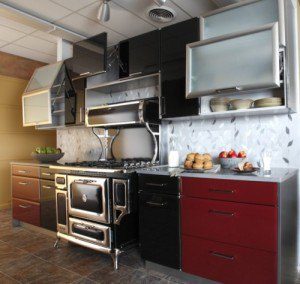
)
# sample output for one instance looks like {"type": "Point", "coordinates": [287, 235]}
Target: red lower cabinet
{"type": "Point", "coordinates": [228, 263]}
{"type": "Point", "coordinates": [249, 225]}
{"type": "Point", "coordinates": [26, 211]}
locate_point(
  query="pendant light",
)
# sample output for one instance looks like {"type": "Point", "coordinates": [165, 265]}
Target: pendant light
{"type": "Point", "coordinates": [103, 14]}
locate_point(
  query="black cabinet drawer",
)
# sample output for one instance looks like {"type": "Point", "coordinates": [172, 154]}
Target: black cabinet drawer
{"type": "Point", "coordinates": [159, 183]}
{"type": "Point", "coordinates": [159, 228]}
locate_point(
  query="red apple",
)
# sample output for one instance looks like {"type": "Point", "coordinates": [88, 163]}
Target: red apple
{"type": "Point", "coordinates": [232, 154]}
{"type": "Point", "coordinates": [242, 154]}
{"type": "Point", "coordinates": [223, 154]}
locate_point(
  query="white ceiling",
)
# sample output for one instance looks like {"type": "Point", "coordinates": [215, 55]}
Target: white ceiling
{"type": "Point", "coordinates": [128, 18]}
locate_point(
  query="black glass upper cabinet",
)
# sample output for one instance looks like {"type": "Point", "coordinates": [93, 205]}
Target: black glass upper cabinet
{"type": "Point", "coordinates": [89, 57]}
{"type": "Point", "coordinates": [140, 55]}
{"type": "Point", "coordinates": [174, 39]}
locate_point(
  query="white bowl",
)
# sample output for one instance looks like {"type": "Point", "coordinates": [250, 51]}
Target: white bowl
{"type": "Point", "coordinates": [241, 104]}
{"type": "Point", "coordinates": [219, 107]}
{"type": "Point", "coordinates": [228, 163]}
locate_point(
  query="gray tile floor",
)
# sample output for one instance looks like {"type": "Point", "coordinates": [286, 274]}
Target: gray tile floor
{"type": "Point", "coordinates": [29, 257]}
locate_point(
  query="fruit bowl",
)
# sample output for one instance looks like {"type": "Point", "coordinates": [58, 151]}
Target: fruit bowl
{"type": "Point", "coordinates": [47, 158]}
{"type": "Point", "coordinates": [228, 163]}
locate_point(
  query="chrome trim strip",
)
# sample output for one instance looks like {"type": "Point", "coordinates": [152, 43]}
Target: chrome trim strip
{"type": "Point", "coordinates": [84, 243]}
{"type": "Point", "coordinates": [82, 169]}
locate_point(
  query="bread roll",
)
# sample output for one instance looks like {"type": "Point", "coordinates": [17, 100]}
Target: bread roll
{"type": "Point", "coordinates": [248, 166]}
{"type": "Point", "coordinates": [199, 158]}
{"type": "Point", "coordinates": [208, 165]}
{"type": "Point", "coordinates": [198, 166]}
{"type": "Point", "coordinates": [190, 157]}
{"type": "Point", "coordinates": [207, 157]}
{"type": "Point", "coordinates": [188, 164]}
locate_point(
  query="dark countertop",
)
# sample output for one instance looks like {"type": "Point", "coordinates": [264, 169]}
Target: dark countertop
{"type": "Point", "coordinates": [277, 175]}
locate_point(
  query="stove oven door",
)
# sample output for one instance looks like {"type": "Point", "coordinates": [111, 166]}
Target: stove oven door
{"type": "Point", "coordinates": [88, 198]}
{"type": "Point", "coordinates": [91, 232]}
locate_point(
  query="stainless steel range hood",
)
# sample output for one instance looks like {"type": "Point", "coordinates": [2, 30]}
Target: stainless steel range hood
{"type": "Point", "coordinates": [45, 84]}
{"type": "Point", "coordinates": [127, 114]}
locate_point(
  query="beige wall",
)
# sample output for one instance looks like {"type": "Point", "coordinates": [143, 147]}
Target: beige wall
{"type": "Point", "coordinates": [16, 142]}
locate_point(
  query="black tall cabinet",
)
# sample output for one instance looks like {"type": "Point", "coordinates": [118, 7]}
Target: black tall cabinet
{"type": "Point", "coordinates": [140, 55]}
{"type": "Point", "coordinates": [173, 61]}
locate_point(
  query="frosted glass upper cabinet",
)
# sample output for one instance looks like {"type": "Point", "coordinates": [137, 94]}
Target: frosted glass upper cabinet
{"type": "Point", "coordinates": [236, 62]}
{"type": "Point", "coordinates": [37, 109]}
{"type": "Point", "coordinates": [43, 98]}
{"type": "Point", "coordinates": [243, 16]}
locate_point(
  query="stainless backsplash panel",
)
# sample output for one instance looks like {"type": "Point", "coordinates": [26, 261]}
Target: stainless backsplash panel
{"type": "Point", "coordinates": [80, 144]}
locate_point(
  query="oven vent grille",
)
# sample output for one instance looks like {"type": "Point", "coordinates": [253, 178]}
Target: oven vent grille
{"type": "Point", "coordinates": [161, 14]}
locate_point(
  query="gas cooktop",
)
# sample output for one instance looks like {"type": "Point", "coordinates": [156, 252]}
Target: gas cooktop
{"type": "Point", "coordinates": [123, 165]}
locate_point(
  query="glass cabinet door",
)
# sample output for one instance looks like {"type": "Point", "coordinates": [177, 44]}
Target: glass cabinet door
{"type": "Point", "coordinates": [237, 62]}
{"type": "Point", "coordinates": [243, 16]}
{"type": "Point", "coordinates": [37, 109]}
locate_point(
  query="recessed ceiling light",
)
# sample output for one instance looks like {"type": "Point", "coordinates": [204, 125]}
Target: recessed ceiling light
{"type": "Point", "coordinates": [103, 14]}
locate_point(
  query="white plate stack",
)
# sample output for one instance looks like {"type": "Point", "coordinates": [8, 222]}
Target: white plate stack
{"type": "Point", "coordinates": [268, 102]}
{"type": "Point", "coordinates": [219, 104]}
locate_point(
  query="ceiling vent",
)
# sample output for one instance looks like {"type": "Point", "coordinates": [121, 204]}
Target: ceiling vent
{"type": "Point", "coordinates": [161, 14]}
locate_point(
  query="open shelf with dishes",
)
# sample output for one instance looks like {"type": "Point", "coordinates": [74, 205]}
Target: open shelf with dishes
{"type": "Point", "coordinates": [271, 101]}
{"type": "Point", "coordinates": [122, 90]}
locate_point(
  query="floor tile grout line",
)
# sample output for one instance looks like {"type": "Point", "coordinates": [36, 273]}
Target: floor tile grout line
{"type": "Point", "coordinates": [10, 277]}
{"type": "Point", "coordinates": [57, 265]}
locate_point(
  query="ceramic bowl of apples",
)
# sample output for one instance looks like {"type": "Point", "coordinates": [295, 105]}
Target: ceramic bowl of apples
{"type": "Point", "coordinates": [231, 159]}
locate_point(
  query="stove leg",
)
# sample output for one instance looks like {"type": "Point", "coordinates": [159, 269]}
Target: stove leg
{"type": "Point", "coordinates": [56, 244]}
{"type": "Point", "coordinates": [115, 257]}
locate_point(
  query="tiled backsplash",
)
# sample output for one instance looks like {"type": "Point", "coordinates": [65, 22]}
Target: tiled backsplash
{"type": "Point", "coordinates": [278, 133]}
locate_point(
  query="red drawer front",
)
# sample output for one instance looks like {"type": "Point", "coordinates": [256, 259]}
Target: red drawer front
{"type": "Point", "coordinates": [226, 263]}
{"type": "Point", "coordinates": [249, 225]}
{"type": "Point", "coordinates": [26, 211]}
{"type": "Point", "coordinates": [26, 188]}
{"type": "Point", "coordinates": [231, 190]}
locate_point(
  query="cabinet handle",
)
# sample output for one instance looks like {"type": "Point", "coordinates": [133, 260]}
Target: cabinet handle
{"type": "Point", "coordinates": [24, 207]}
{"type": "Point", "coordinates": [225, 191]}
{"type": "Point", "coordinates": [46, 174]}
{"type": "Point", "coordinates": [162, 106]}
{"type": "Point", "coordinates": [221, 255]}
{"type": "Point", "coordinates": [46, 187]}
{"type": "Point", "coordinates": [228, 90]}
{"type": "Point", "coordinates": [156, 184]}
{"type": "Point", "coordinates": [218, 212]}
{"type": "Point", "coordinates": [163, 204]}
{"type": "Point", "coordinates": [85, 73]}
{"type": "Point", "coordinates": [135, 74]}
{"type": "Point", "coordinates": [23, 183]}
{"type": "Point", "coordinates": [81, 114]}
{"type": "Point", "coordinates": [22, 172]}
